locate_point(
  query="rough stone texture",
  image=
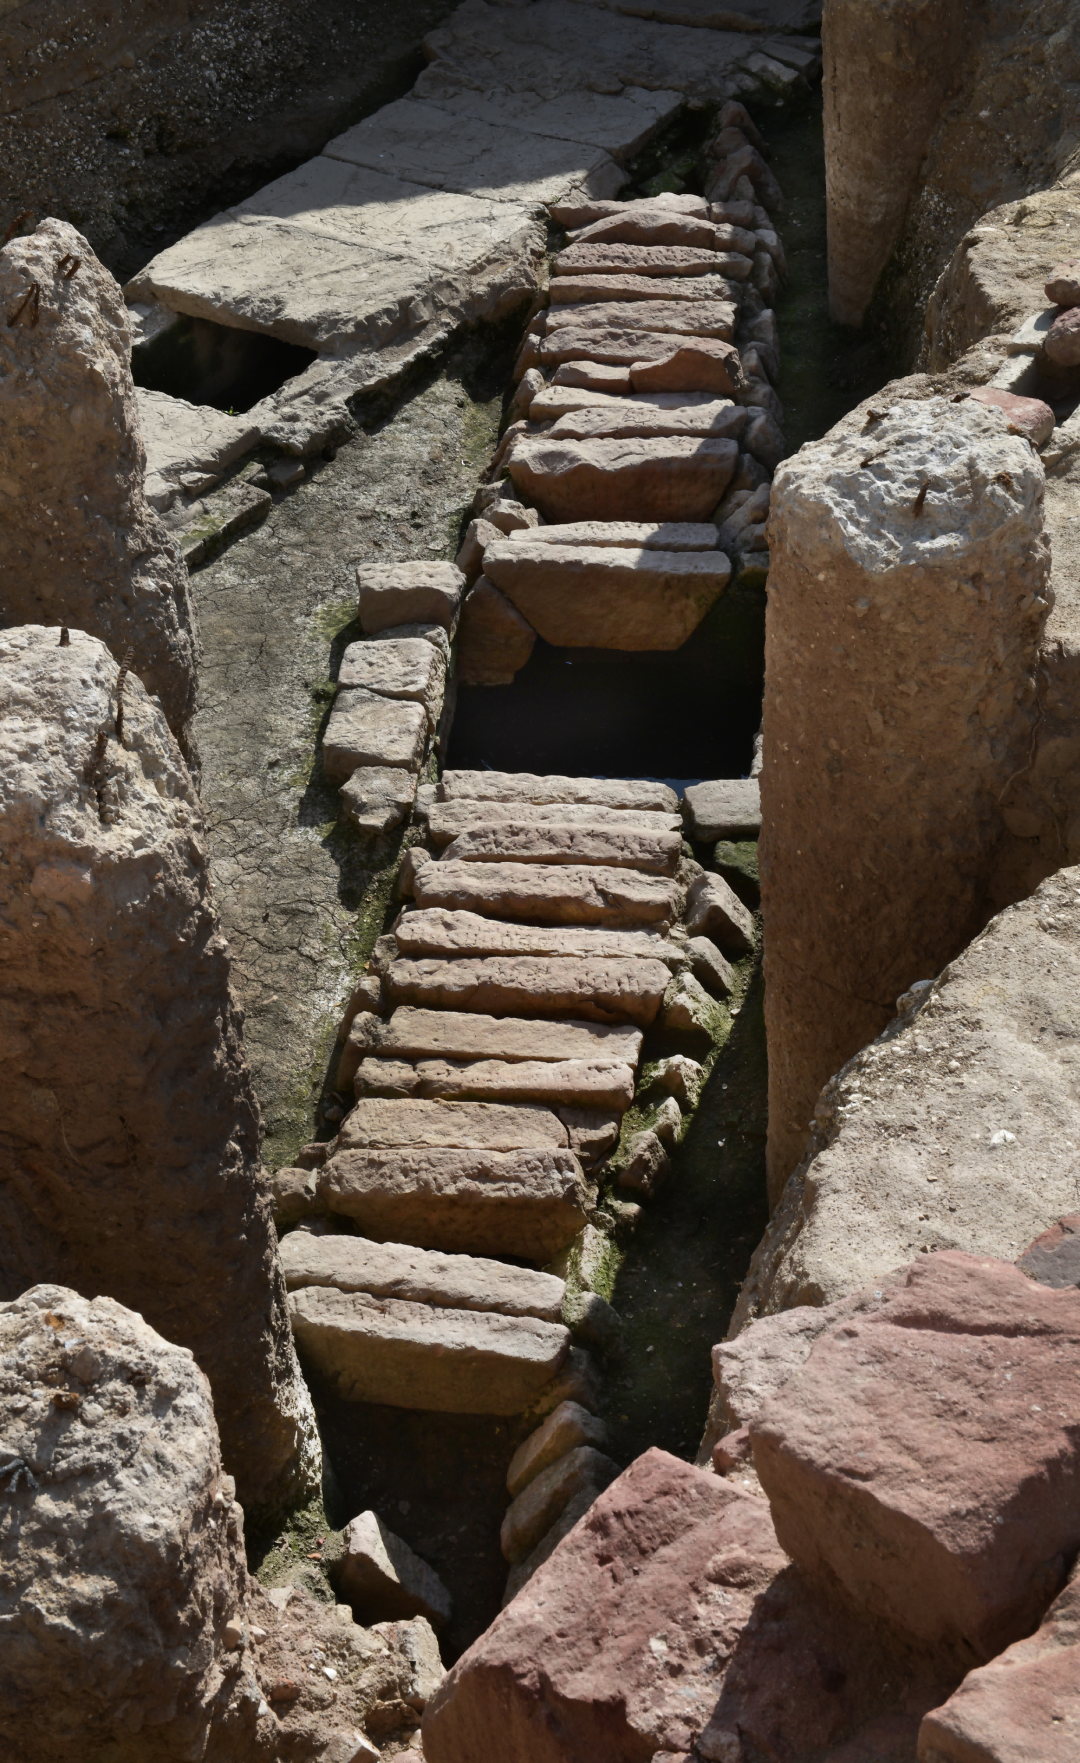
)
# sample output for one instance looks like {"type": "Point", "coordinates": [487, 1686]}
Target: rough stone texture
{"type": "Point", "coordinates": [566, 1427]}
{"type": "Point", "coordinates": [1029, 417]}
{"type": "Point", "coordinates": [724, 808]}
{"type": "Point", "coordinates": [671, 478]}
{"type": "Point", "coordinates": [611, 289]}
{"type": "Point", "coordinates": [1024, 1704]}
{"type": "Point", "coordinates": [906, 602]}
{"type": "Point", "coordinates": [709, 967]}
{"type": "Point", "coordinates": [888, 68]}
{"type": "Point", "coordinates": [647, 1164]}
{"type": "Point", "coordinates": [689, 365]}
{"type": "Point", "coordinates": [911, 1148]}
{"type": "Point", "coordinates": [494, 641]}
{"type": "Point", "coordinates": [376, 798]}
{"type": "Point", "coordinates": [595, 989]}
{"type": "Point", "coordinates": [698, 318]}
{"type": "Point", "coordinates": [367, 729]}
{"type": "Point", "coordinates": [405, 593]}
{"type": "Point", "coordinates": [524, 786]}
{"type": "Point", "coordinates": [924, 1454]}
{"type": "Point", "coordinates": [418, 1033]}
{"type": "Point", "coordinates": [602, 597]}
{"type": "Point", "coordinates": [532, 1512]}
{"type": "Point", "coordinates": [392, 1270]}
{"type": "Point", "coordinates": [412, 1355]}
{"type": "Point", "coordinates": [440, 933]}
{"type": "Point", "coordinates": [665, 260]}
{"type": "Point", "coordinates": [130, 1151]}
{"type": "Point", "coordinates": [519, 841]}
{"type": "Point", "coordinates": [595, 1082]}
{"type": "Point", "coordinates": [633, 535]}
{"type": "Point", "coordinates": [446, 819]}
{"type": "Point", "coordinates": [707, 416]}
{"type": "Point", "coordinates": [381, 1577]}
{"type": "Point", "coordinates": [180, 438]}
{"type": "Point", "coordinates": [402, 667]}
{"type": "Point", "coordinates": [713, 910]}
{"type": "Point", "coordinates": [669, 1618]}
{"type": "Point", "coordinates": [375, 1126]}
{"type": "Point", "coordinates": [527, 1203]}
{"type": "Point", "coordinates": [79, 544]}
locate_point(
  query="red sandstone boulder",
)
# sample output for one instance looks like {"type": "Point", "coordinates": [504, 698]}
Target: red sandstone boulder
{"type": "Point", "coordinates": [926, 1452]}
{"type": "Point", "coordinates": [1063, 283]}
{"type": "Point", "coordinates": [1029, 417]}
{"type": "Point", "coordinates": [1062, 344]}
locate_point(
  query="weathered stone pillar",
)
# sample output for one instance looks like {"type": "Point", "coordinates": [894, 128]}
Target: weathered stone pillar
{"type": "Point", "coordinates": [79, 544]}
{"type": "Point", "coordinates": [907, 596]}
{"type": "Point", "coordinates": [888, 65]}
{"type": "Point", "coordinates": [129, 1133]}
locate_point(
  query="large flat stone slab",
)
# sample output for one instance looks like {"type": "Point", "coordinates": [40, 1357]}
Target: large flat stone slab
{"type": "Point", "coordinates": [630, 346]}
{"type": "Point", "coordinates": [621, 123]}
{"type": "Point", "coordinates": [364, 728]}
{"type": "Point", "coordinates": [680, 477]}
{"type": "Point", "coordinates": [585, 286]}
{"type": "Point", "coordinates": [436, 932]}
{"type": "Point", "coordinates": [416, 1033]}
{"type": "Point", "coordinates": [599, 597]}
{"type": "Point", "coordinates": [467, 1127]}
{"type": "Point", "coordinates": [632, 535]}
{"type": "Point", "coordinates": [550, 893]}
{"type": "Point", "coordinates": [527, 786]}
{"type": "Point", "coordinates": [654, 853]}
{"type": "Point", "coordinates": [416, 1356]}
{"type": "Point", "coordinates": [651, 260]}
{"type": "Point", "coordinates": [526, 1203]}
{"type": "Point", "coordinates": [566, 1083]}
{"type": "Point", "coordinates": [447, 819]}
{"type": "Point", "coordinates": [427, 144]}
{"type": "Point", "coordinates": [596, 989]}
{"type": "Point", "coordinates": [422, 1276]}
{"type": "Point", "coordinates": [724, 808]}
{"type": "Point", "coordinates": [181, 437]}
{"type": "Point", "coordinates": [405, 667]}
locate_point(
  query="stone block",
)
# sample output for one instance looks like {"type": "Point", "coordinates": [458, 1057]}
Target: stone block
{"type": "Point", "coordinates": [376, 798]}
{"type": "Point", "coordinates": [470, 558]}
{"type": "Point", "coordinates": [495, 641]}
{"type": "Point", "coordinates": [411, 1355]}
{"type": "Point", "coordinates": [593, 1083]}
{"type": "Point", "coordinates": [715, 418]}
{"type": "Point", "coordinates": [593, 1132]}
{"type": "Point", "coordinates": [534, 1510]}
{"type": "Point", "coordinates": [560, 844]}
{"type": "Point", "coordinates": [366, 729]}
{"type": "Point", "coordinates": [423, 1276]}
{"type": "Point", "coordinates": [551, 893]}
{"type": "Point", "coordinates": [737, 861]}
{"type": "Point", "coordinates": [524, 786]}
{"type": "Point", "coordinates": [639, 224]}
{"type": "Point", "coordinates": [405, 667]}
{"type": "Point", "coordinates": [437, 932]}
{"type": "Point", "coordinates": [709, 967]}
{"type": "Point", "coordinates": [406, 593]}
{"type": "Point", "coordinates": [595, 596]}
{"type": "Point", "coordinates": [630, 535]}
{"type": "Point", "coordinates": [460, 1126]}
{"type": "Point", "coordinates": [381, 1578]}
{"type": "Point", "coordinates": [694, 318]}
{"type": "Point", "coordinates": [591, 989]}
{"type": "Point", "coordinates": [724, 808]}
{"type": "Point", "coordinates": [592, 376]}
{"type": "Point", "coordinates": [586, 285]}
{"type": "Point", "coordinates": [693, 364]}
{"type": "Point", "coordinates": [447, 819]}
{"type": "Point", "coordinates": [713, 910]}
{"type": "Point", "coordinates": [681, 1077]}
{"type": "Point", "coordinates": [665, 260]}
{"type": "Point", "coordinates": [707, 364]}
{"type": "Point", "coordinates": [1029, 417]}
{"type": "Point", "coordinates": [523, 1570]}
{"type": "Point", "coordinates": [647, 1164]}
{"type": "Point", "coordinates": [688, 1008]}
{"type": "Point", "coordinates": [566, 1428]}
{"type": "Point", "coordinates": [418, 1033]}
{"type": "Point", "coordinates": [677, 477]}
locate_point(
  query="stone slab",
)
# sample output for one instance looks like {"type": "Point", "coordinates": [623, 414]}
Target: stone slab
{"type": "Point", "coordinates": [415, 1356]}
{"type": "Point", "coordinates": [423, 143]}
{"type": "Point", "coordinates": [527, 786]}
{"type": "Point", "coordinates": [696, 364]}
{"type": "Point", "coordinates": [713, 910]}
{"type": "Point", "coordinates": [630, 345]}
{"type": "Point", "coordinates": [436, 932]}
{"type": "Point", "coordinates": [364, 728]}
{"type": "Point", "coordinates": [550, 893]}
{"type": "Point", "coordinates": [566, 1427]}
{"type": "Point", "coordinates": [634, 535]}
{"type": "Point", "coordinates": [181, 437]}
{"type": "Point", "coordinates": [679, 477]}
{"type": "Point", "coordinates": [417, 1033]}
{"type": "Point", "coordinates": [406, 667]}
{"type": "Point", "coordinates": [381, 1578]}
{"type": "Point", "coordinates": [696, 318]}
{"type": "Point", "coordinates": [525, 1203]}
{"type": "Point", "coordinates": [446, 819]}
{"type": "Point", "coordinates": [651, 260]}
{"type": "Point", "coordinates": [621, 123]}
{"type": "Point", "coordinates": [404, 593]}
{"type": "Point", "coordinates": [534, 1510]}
{"type": "Point", "coordinates": [594, 989]}
{"type": "Point", "coordinates": [724, 808]}
{"type": "Point", "coordinates": [377, 798]}
{"type": "Point", "coordinates": [423, 1276]}
{"type": "Point", "coordinates": [494, 642]}
{"type": "Point", "coordinates": [654, 853]}
{"type": "Point", "coordinates": [586, 287]}
{"type": "Point", "coordinates": [576, 1083]}
{"type": "Point", "coordinates": [421, 1125]}
{"type": "Point", "coordinates": [720, 418]}
{"type": "Point", "coordinates": [614, 597]}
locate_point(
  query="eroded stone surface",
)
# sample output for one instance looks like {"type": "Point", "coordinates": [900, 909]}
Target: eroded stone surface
{"type": "Point", "coordinates": [594, 596]}
{"type": "Point", "coordinates": [436, 932]}
{"type": "Point", "coordinates": [446, 820]}
{"type": "Point", "coordinates": [598, 989]}
{"type": "Point", "coordinates": [494, 641]}
{"type": "Point", "coordinates": [566, 1427]}
{"type": "Point", "coordinates": [381, 1577]}
{"type": "Point", "coordinates": [392, 1270]}
{"type": "Point", "coordinates": [382, 1125]}
{"type": "Point", "coordinates": [551, 893]}
{"type": "Point", "coordinates": [724, 808]}
{"type": "Point", "coordinates": [424, 1033]}
{"type": "Point", "coordinates": [672, 478]}
{"type": "Point", "coordinates": [524, 786]}
{"type": "Point", "coordinates": [520, 841]}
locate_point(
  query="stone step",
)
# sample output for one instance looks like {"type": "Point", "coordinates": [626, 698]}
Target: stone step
{"type": "Point", "coordinates": [446, 820]}
{"type": "Point", "coordinates": [550, 893]}
{"type": "Point", "coordinates": [392, 594]}
{"type": "Point", "coordinates": [593, 596]}
{"type": "Point", "coordinates": [667, 260]}
{"type": "Point", "coordinates": [466, 1127]}
{"type": "Point", "coordinates": [528, 1203]}
{"type": "Point", "coordinates": [674, 477]}
{"type": "Point", "coordinates": [558, 399]}
{"type": "Point", "coordinates": [436, 932]}
{"type": "Point", "coordinates": [409, 1355]}
{"type": "Point", "coordinates": [461, 1034]}
{"type": "Point", "coordinates": [632, 535]}
{"type": "Point", "coordinates": [623, 347]}
{"type": "Point", "coordinates": [517, 842]}
{"type": "Point", "coordinates": [578, 1083]}
{"type": "Point", "coordinates": [596, 989]}
{"type": "Point", "coordinates": [527, 786]}
{"type": "Point", "coordinates": [423, 1276]}
{"type": "Point", "coordinates": [699, 318]}
{"type": "Point", "coordinates": [588, 285]}
{"type": "Point", "coordinates": [720, 418]}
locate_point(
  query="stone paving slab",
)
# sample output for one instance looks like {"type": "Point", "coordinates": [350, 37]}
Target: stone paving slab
{"type": "Point", "coordinates": [550, 893]}
{"type": "Point", "coordinates": [724, 808]}
{"type": "Point", "coordinates": [668, 535]}
{"type": "Point", "coordinates": [608, 598]}
{"type": "Point", "coordinates": [436, 932]}
{"type": "Point", "coordinates": [416, 1356]}
{"type": "Point", "coordinates": [587, 287]}
{"type": "Point", "coordinates": [418, 1033]}
{"type": "Point", "coordinates": [699, 318]}
{"type": "Point", "coordinates": [680, 477]}
{"type": "Point", "coordinates": [621, 123]}
{"type": "Point", "coordinates": [596, 989]}
{"type": "Point", "coordinates": [527, 786]}
{"type": "Point", "coordinates": [423, 1276]}
{"type": "Point", "coordinates": [720, 418]}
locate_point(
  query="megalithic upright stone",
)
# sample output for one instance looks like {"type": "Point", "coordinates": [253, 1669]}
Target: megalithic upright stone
{"type": "Point", "coordinates": [129, 1132]}
{"type": "Point", "coordinates": [907, 596]}
{"type": "Point", "coordinates": [79, 544]}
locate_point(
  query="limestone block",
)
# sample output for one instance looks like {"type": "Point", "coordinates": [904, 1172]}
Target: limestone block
{"type": "Point", "coordinates": [551, 893]}
{"type": "Point", "coordinates": [519, 841]}
{"type": "Point", "coordinates": [687, 1007]}
{"type": "Point", "coordinates": [595, 596]}
{"type": "Point", "coordinates": [925, 603]}
{"type": "Point", "coordinates": [411, 1355]}
{"type": "Point", "coordinates": [179, 437]}
{"type": "Point", "coordinates": [447, 819]}
{"type": "Point", "coordinates": [622, 123]}
{"type": "Point", "coordinates": [709, 967]}
{"type": "Point", "coordinates": [416, 1033]}
{"type": "Point", "coordinates": [681, 1077]}
{"type": "Point", "coordinates": [572, 215]}
{"type": "Point", "coordinates": [565, 1429]}
{"type": "Point", "coordinates": [524, 786]}
{"type": "Point", "coordinates": [598, 989]}
{"type": "Point", "coordinates": [376, 798]}
{"type": "Point", "coordinates": [525, 1203]}
{"type": "Point", "coordinates": [689, 365]}
{"type": "Point", "coordinates": [651, 260]}
{"type": "Point", "coordinates": [585, 285]}
{"type": "Point", "coordinates": [465, 1126]}
{"type": "Point", "coordinates": [591, 376]}
{"type": "Point", "coordinates": [632, 535]}
{"type": "Point", "coordinates": [724, 808]}
{"type": "Point", "coordinates": [714, 417]}
{"type": "Point", "coordinates": [920, 1453]}
{"type": "Point", "coordinates": [647, 1164]}
{"type": "Point", "coordinates": [364, 728]}
{"type": "Point", "coordinates": [763, 438]}
{"type": "Point", "coordinates": [122, 1063]}
{"type": "Point", "coordinates": [395, 1270]}
{"type": "Point", "coordinates": [381, 1577]}
{"type": "Point", "coordinates": [79, 545]}
{"type": "Point", "coordinates": [639, 224]}
{"type": "Point", "coordinates": [495, 641]}
{"type": "Point", "coordinates": [593, 1083]}
{"type": "Point", "coordinates": [697, 318]}
{"type": "Point", "coordinates": [536, 1507]}
{"type": "Point", "coordinates": [593, 1132]}
{"type": "Point", "coordinates": [429, 631]}
{"type": "Point", "coordinates": [676, 477]}
{"type": "Point", "coordinates": [713, 910]}
{"type": "Point", "coordinates": [437, 932]}
{"type": "Point", "coordinates": [407, 667]}
{"type": "Point", "coordinates": [404, 593]}
{"type": "Point", "coordinates": [716, 363]}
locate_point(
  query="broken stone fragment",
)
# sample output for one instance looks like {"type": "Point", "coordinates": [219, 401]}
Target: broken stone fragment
{"type": "Point", "coordinates": [380, 1576]}
{"type": "Point", "coordinates": [701, 318]}
{"type": "Point", "coordinates": [540, 1502]}
{"type": "Point", "coordinates": [524, 786]}
{"type": "Point", "coordinates": [594, 989]}
{"type": "Point", "coordinates": [566, 1427]}
{"type": "Point", "coordinates": [647, 1164]}
{"type": "Point", "coordinates": [1062, 345]}
{"type": "Point", "coordinates": [447, 819]}
{"type": "Point", "coordinates": [1063, 283]}
{"type": "Point", "coordinates": [495, 641]}
{"type": "Point", "coordinates": [764, 438]}
{"type": "Point", "coordinates": [376, 798]}
{"type": "Point", "coordinates": [725, 808]}
{"type": "Point", "coordinates": [682, 1077]}
{"type": "Point", "coordinates": [693, 364]}
{"type": "Point", "coordinates": [713, 910]}
{"type": "Point", "coordinates": [591, 376]}
{"type": "Point", "coordinates": [633, 535]}
{"type": "Point", "coordinates": [407, 593]}
{"type": "Point", "coordinates": [470, 558]}
{"type": "Point", "coordinates": [668, 1122]}
{"type": "Point", "coordinates": [687, 1007]}
{"type": "Point", "coordinates": [639, 225]}
{"type": "Point", "coordinates": [1029, 417]}
{"type": "Point", "coordinates": [593, 1131]}
{"type": "Point", "coordinates": [709, 967]}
